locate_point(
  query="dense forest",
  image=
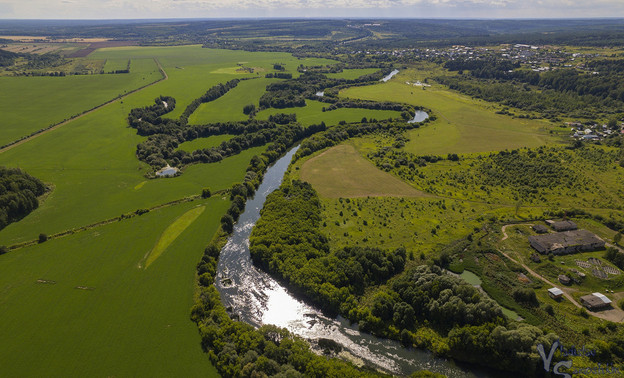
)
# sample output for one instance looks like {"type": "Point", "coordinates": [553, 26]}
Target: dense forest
{"type": "Point", "coordinates": [18, 195]}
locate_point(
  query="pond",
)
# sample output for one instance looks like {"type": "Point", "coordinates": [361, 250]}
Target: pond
{"type": "Point", "coordinates": [474, 280]}
{"type": "Point", "coordinates": [419, 116]}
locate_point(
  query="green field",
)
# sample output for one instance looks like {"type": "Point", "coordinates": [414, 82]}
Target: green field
{"type": "Point", "coordinates": [116, 64]}
{"type": "Point", "coordinates": [135, 322]}
{"type": "Point", "coordinates": [464, 125]}
{"type": "Point", "coordinates": [230, 106]}
{"type": "Point", "coordinates": [201, 143]}
{"type": "Point", "coordinates": [351, 74]}
{"type": "Point", "coordinates": [342, 172]}
{"type": "Point", "coordinates": [28, 104]}
{"type": "Point", "coordinates": [81, 306]}
{"type": "Point", "coordinates": [313, 113]}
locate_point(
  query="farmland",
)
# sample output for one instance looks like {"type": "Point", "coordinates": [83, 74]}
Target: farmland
{"type": "Point", "coordinates": [416, 232]}
{"type": "Point", "coordinates": [32, 103]}
{"type": "Point", "coordinates": [91, 166]}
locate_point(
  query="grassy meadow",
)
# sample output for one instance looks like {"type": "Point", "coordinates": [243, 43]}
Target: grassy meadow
{"type": "Point", "coordinates": [201, 143]}
{"type": "Point", "coordinates": [230, 106]}
{"type": "Point", "coordinates": [464, 125]}
{"type": "Point", "coordinates": [126, 320]}
{"type": "Point", "coordinates": [342, 172]}
{"type": "Point", "coordinates": [28, 104]}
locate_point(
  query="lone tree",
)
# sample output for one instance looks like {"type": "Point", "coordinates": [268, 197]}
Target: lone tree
{"type": "Point", "coordinates": [206, 193]}
{"type": "Point", "coordinates": [43, 238]}
{"type": "Point", "coordinates": [4, 249]}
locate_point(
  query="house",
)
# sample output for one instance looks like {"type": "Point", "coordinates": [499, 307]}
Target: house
{"type": "Point", "coordinates": [567, 242]}
{"type": "Point", "coordinates": [564, 279]}
{"type": "Point", "coordinates": [564, 226]}
{"type": "Point", "coordinates": [595, 301]}
{"type": "Point", "coordinates": [540, 229]}
{"type": "Point", "coordinates": [555, 293]}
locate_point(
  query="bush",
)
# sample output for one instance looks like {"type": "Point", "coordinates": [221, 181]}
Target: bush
{"type": "Point", "coordinates": [43, 238]}
{"type": "Point", "coordinates": [206, 193]}
{"type": "Point", "coordinates": [4, 249]}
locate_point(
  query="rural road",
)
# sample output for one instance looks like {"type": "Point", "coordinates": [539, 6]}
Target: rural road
{"type": "Point", "coordinates": [73, 118]}
{"type": "Point", "coordinates": [614, 315]}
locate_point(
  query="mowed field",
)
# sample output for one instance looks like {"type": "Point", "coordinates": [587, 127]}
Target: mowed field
{"type": "Point", "coordinates": [28, 104]}
{"type": "Point", "coordinates": [464, 125]}
{"type": "Point", "coordinates": [313, 113]}
{"type": "Point", "coordinates": [129, 321]}
{"type": "Point", "coordinates": [342, 172]}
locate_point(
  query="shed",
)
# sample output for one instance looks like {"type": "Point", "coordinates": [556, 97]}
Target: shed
{"type": "Point", "coordinates": [595, 301]}
{"type": "Point", "coordinates": [564, 226]}
{"type": "Point", "coordinates": [540, 229]}
{"type": "Point", "coordinates": [555, 293]}
{"type": "Point", "coordinates": [564, 279]}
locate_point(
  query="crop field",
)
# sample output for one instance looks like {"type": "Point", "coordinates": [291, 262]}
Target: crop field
{"type": "Point", "coordinates": [342, 172]}
{"type": "Point", "coordinates": [313, 113]}
{"type": "Point", "coordinates": [202, 143]}
{"type": "Point", "coordinates": [28, 104]}
{"type": "Point", "coordinates": [91, 166]}
{"type": "Point", "coordinates": [193, 70]}
{"type": "Point", "coordinates": [115, 64]}
{"type": "Point", "coordinates": [81, 306]}
{"type": "Point", "coordinates": [230, 106]}
{"type": "Point", "coordinates": [464, 125]}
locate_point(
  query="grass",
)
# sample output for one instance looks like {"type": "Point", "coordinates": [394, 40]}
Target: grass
{"type": "Point", "coordinates": [342, 172]}
{"type": "Point", "coordinates": [313, 113]}
{"type": "Point", "coordinates": [116, 64]}
{"type": "Point", "coordinates": [201, 143]}
{"type": "Point", "coordinates": [193, 70]}
{"type": "Point", "coordinates": [28, 104]}
{"type": "Point", "coordinates": [351, 74]}
{"type": "Point", "coordinates": [230, 106]}
{"type": "Point", "coordinates": [125, 321]}
{"type": "Point", "coordinates": [135, 322]}
{"type": "Point", "coordinates": [464, 125]}
{"type": "Point", "coordinates": [172, 232]}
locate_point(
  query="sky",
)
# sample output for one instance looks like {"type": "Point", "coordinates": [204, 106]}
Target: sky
{"type": "Point", "coordinates": [135, 9]}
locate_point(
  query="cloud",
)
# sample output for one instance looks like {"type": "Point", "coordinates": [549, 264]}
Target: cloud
{"type": "Point", "coordinates": [308, 8]}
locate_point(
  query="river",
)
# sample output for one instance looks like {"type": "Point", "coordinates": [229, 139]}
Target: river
{"type": "Point", "coordinates": [389, 76]}
{"type": "Point", "coordinates": [259, 299]}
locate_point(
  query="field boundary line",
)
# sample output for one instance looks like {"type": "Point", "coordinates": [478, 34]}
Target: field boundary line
{"type": "Point", "coordinates": [55, 126]}
{"type": "Point", "coordinates": [133, 214]}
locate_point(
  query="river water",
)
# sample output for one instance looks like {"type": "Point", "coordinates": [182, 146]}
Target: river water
{"type": "Point", "coordinates": [258, 299]}
{"type": "Point", "coordinates": [389, 76]}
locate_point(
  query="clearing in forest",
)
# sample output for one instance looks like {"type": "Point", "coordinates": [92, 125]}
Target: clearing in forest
{"type": "Point", "coordinates": [342, 172]}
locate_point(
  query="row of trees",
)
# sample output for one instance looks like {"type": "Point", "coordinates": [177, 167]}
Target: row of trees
{"type": "Point", "coordinates": [18, 194]}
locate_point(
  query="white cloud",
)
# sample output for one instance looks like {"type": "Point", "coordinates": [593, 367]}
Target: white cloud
{"type": "Point", "coordinates": [308, 8]}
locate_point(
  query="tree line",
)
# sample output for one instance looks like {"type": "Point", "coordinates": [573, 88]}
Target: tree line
{"type": "Point", "coordinates": [18, 194]}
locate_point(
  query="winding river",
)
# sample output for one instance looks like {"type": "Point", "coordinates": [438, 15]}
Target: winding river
{"type": "Point", "coordinates": [258, 299]}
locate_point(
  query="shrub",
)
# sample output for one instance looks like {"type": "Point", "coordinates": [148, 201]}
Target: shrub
{"type": "Point", "coordinates": [43, 238]}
